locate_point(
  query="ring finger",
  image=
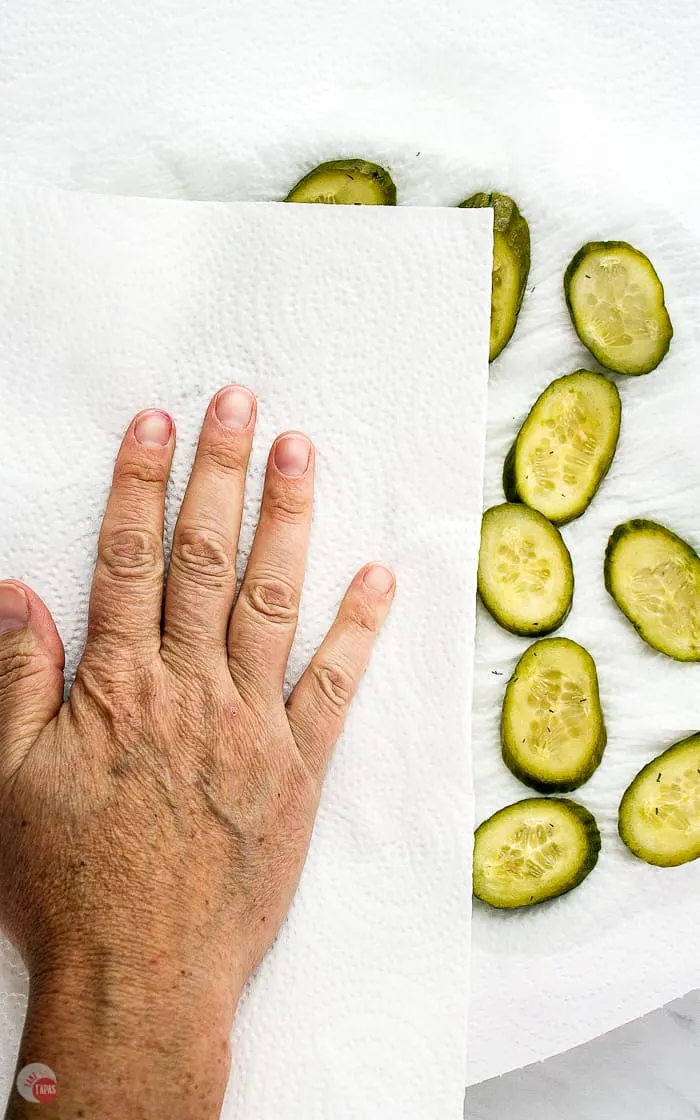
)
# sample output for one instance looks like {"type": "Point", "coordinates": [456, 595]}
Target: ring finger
{"type": "Point", "coordinates": [263, 622]}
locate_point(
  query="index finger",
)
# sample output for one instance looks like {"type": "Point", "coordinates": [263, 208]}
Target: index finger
{"type": "Point", "coordinates": [127, 587]}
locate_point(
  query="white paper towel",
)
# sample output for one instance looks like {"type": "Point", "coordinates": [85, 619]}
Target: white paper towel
{"type": "Point", "coordinates": [626, 941]}
{"type": "Point", "coordinates": [368, 330]}
{"type": "Point", "coordinates": [588, 111]}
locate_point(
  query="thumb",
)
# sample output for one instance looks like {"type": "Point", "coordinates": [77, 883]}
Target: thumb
{"type": "Point", "coordinates": [31, 672]}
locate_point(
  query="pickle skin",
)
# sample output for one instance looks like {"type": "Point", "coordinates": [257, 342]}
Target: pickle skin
{"type": "Point", "coordinates": [511, 234]}
{"type": "Point", "coordinates": [625, 824]}
{"type": "Point", "coordinates": [544, 787]}
{"type": "Point", "coordinates": [510, 484]}
{"type": "Point", "coordinates": [526, 776]}
{"type": "Point", "coordinates": [510, 490]}
{"type": "Point", "coordinates": [573, 266]}
{"type": "Point", "coordinates": [377, 177]}
{"type": "Point", "coordinates": [589, 855]}
{"type": "Point", "coordinates": [643, 525]}
{"type": "Point", "coordinates": [535, 629]}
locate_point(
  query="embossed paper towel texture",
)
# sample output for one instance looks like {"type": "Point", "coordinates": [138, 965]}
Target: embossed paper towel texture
{"type": "Point", "coordinates": [368, 330]}
{"type": "Point", "coordinates": [208, 100]}
{"type": "Point", "coordinates": [588, 112]}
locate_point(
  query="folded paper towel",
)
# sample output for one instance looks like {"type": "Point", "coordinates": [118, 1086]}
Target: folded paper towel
{"type": "Point", "coordinates": [369, 330]}
{"type": "Point", "coordinates": [577, 109]}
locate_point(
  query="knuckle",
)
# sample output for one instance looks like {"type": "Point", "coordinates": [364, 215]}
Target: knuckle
{"type": "Point", "coordinates": [203, 555]}
{"type": "Point", "coordinates": [124, 697]}
{"type": "Point", "coordinates": [229, 458]}
{"type": "Point", "coordinates": [362, 618]}
{"type": "Point", "coordinates": [287, 506]}
{"type": "Point", "coordinates": [334, 685]}
{"type": "Point", "coordinates": [131, 553]}
{"type": "Point", "coordinates": [140, 472]}
{"type": "Point", "coordinates": [272, 598]}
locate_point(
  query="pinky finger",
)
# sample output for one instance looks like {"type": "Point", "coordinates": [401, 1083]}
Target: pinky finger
{"type": "Point", "coordinates": [318, 705]}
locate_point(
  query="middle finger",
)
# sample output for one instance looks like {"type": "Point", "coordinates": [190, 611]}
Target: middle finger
{"type": "Point", "coordinates": [202, 577]}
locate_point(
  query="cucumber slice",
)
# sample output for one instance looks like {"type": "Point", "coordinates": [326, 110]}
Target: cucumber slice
{"type": "Point", "coordinates": [565, 447]}
{"type": "Point", "coordinates": [525, 577]}
{"type": "Point", "coordinates": [654, 577]}
{"type": "Point", "coordinates": [346, 182]}
{"type": "Point", "coordinates": [616, 302]}
{"type": "Point", "coordinates": [659, 816]}
{"type": "Point", "coordinates": [511, 264]}
{"type": "Point", "coordinates": [552, 729]}
{"type": "Point", "coordinates": [534, 850]}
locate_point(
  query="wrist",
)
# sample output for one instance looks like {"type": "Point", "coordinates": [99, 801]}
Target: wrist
{"type": "Point", "coordinates": [141, 1041]}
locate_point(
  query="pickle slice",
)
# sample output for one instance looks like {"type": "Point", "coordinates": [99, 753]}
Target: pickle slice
{"type": "Point", "coordinates": [565, 447]}
{"type": "Point", "coordinates": [525, 577]}
{"type": "Point", "coordinates": [616, 302]}
{"type": "Point", "coordinates": [552, 729]}
{"type": "Point", "coordinates": [346, 182]}
{"type": "Point", "coordinates": [511, 264]}
{"type": "Point", "coordinates": [654, 577]}
{"type": "Point", "coordinates": [659, 817]}
{"type": "Point", "coordinates": [534, 850]}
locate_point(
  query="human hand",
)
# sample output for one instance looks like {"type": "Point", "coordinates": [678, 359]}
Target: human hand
{"type": "Point", "coordinates": [154, 826]}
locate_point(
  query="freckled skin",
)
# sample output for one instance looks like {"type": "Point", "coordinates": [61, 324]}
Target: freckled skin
{"type": "Point", "coordinates": [154, 826]}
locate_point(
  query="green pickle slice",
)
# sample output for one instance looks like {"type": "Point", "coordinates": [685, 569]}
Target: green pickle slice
{"type": "Point", "coordinates": [565, 447]}
{"type": "Point", "coordinates": [346, 182]}
{"type": "Point", "coordinates": [654, 577]}
{"type": "Point", "coordinates": [511, 265]}
{"type": "Point", "coordinates": [616, 302]}
{"type": "Point", "coordinates": [552, 728]}
{"type": "Point", "coordinates": [659, 818]}
{"type": "Point", "coordinates": [533, 851]}
{"type": "Point", "coordinates": [525, 576]}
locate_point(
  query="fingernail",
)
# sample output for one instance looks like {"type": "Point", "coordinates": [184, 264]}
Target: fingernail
{"type": "Point", "coordinates": [234, 407]}
{"type": "Point", "coordinates": [14, 609]}
{"type": "Point", "coordinates": [379, 578]}
{"type": "Point", "coordinates": [292, 454]}
{"type": "Point", "coordinates": [153, 428]}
